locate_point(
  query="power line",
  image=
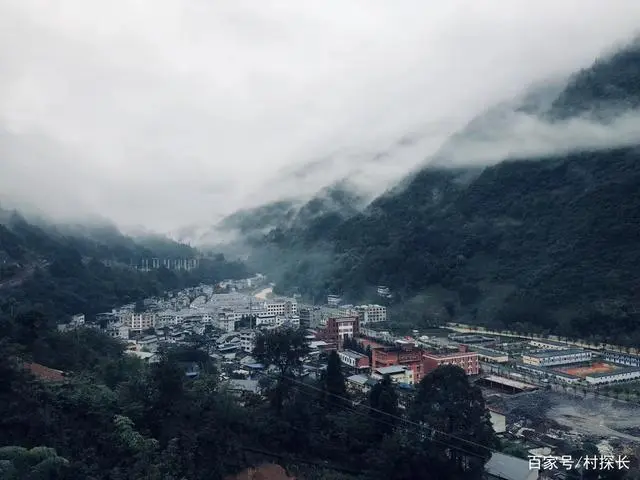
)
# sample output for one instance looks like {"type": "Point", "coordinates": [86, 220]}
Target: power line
{"type": "Point", "coordinates": [421, 427]}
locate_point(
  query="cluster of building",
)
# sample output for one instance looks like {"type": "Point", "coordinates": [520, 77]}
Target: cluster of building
{"type": "Point", "coordinates": [405, 361]}
{"type": "Point", "coordinates": [576, 365]}
{"type": "Point", "coordinates": [317, 316]}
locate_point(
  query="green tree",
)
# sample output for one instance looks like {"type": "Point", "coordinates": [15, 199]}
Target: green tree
{"type": "Point", "coordinates": [383, 401]}
{"type": "Point", "coordinates": [454, 413]}
{"type": "Point", "coordinates": [284, 349]}
{"type": "Point", "coordinates": [333, 382]}
{"type": "Point", "coordinates": [38, 463]}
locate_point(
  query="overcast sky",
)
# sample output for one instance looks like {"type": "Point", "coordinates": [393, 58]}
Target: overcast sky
{"type": "Point", "coordinates": [166, 113]}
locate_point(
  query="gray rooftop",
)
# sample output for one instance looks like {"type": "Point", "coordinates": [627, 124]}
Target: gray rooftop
{"type": "Point", "coordinates": [391, 370]}
{"type": "Point", "coordinates": [507, 467]}
{"type": "Point", "coordinates": [622, 354]}
{"type": "Point", "coordinates": [352, 354]}
{"type": "Point", "coordinates": [555, 353]}
{"type": "Point", "coordinates": [489, 352]}
{"type": "Point", "coordinates": [359, 379]}
{"type": "Point", "coordinates": [244, 385]}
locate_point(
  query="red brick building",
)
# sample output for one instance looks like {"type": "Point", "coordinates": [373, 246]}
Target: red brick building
{"type": "Point", "coordinates": [339, 328]}
{"type": "Point", "coordinates": [406, 355]}
{"type": "Point", "coordinates": [468, 361]}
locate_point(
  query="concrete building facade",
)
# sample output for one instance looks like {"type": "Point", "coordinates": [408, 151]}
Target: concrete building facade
{"type": "Point", "coordinates": [355, 360]}
{"type": "Point", "coordinates": [550, 358]}
{"type": "Point", "coordinates": [464, 359]}
{"type": "Point", "coordinates": [371, 314]}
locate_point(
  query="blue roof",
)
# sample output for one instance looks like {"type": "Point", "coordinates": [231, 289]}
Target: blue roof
{"type": "Point", "coordinates": [256, 366]}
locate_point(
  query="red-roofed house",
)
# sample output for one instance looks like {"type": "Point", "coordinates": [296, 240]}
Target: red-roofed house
{"type": "Point", "coordinates": [45, 373]}
{"type": "Point", "coordinates": [269, 471]}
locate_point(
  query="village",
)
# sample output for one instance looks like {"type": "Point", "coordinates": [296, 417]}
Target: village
{"type": "Point", "coordinates": [544, 396]}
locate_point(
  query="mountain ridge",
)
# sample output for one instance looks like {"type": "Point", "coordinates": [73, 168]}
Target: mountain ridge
{"type": "Point", "coordinates": [543, 242]}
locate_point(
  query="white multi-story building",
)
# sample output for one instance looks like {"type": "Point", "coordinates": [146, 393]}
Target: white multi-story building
{"type": "Point", "coordinates": [333, 300]}
{"type": "Point", "coordinates": [226, 324]}
{"type": "Point", "coordinates": [137, 322]}
{"type": "Point", "coordinates": [556, 357]}
{"type": "Point", "coordinates": [265, 319]}
{"type": "Point", "coordinates": [118, 331]}
{"type": "Point", "coordinates": [371, 314]}
{"type": "Point", "coordinates": [282, 307]}
{"type": "Point", "coordinates": [77, 320]}
{"type": "Point", "coordinates": [248, 340]}
{"type": "Point", "coordinates": [292, 321]}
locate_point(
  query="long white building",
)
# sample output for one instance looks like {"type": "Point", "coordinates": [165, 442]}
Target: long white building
{"type": "Point", "coordinates": [556, 357]}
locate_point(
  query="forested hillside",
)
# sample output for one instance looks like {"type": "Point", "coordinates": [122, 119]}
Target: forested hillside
{"type": "Point", "coordinates": [112, 417]}
{"type": "Point", "coordinates": [64, 270]}
{"type": "Point", "coordinates": [546, 244]}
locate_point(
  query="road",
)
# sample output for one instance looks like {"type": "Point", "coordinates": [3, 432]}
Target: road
{"type": "Point", "coordinates": [264, 293]}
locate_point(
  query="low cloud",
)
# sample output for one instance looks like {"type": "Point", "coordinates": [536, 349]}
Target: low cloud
{"type": "Point", "coordinates": [165, 113]}
{"type": "Point", "coordinates": [522, 136]}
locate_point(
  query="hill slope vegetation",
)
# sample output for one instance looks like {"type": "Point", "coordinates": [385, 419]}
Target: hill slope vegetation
{"type": "Point", "coordinates": [547, 244]}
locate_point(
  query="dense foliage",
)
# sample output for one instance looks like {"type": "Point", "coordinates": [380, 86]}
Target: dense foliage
{"type": "Point", "coordinates": [547, 244]}
{"type": "Point", "coordinates": [61, 275]}
{"type": "Point", "coordinates": [117, 418]}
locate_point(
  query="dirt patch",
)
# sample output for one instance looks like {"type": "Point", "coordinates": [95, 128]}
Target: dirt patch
{"type": "Point", "coordinates": [593, 417]}
{"type": "Point", "coordinates": [586, 370]}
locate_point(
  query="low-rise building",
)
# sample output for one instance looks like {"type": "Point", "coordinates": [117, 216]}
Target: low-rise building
{"type": "Point", "coordinates": [371, 314]}
{"type": "Point", "coordinates": [621, 375]}
{"type": "Point", "coordinates": [355, 360]}
{"type": "Point", "coordinates": [507, 467]}
{"type": "Point", "coordinates": [310, 317]}
{"type": "Point", "coordinates": [248, 340]}
{"type": "Point", "coordinates": [406, 355]}
{"type": "Point", "coordinates": [226, 324]}
{"type": "Point", "coordinates": [357, 383]}
{"type": "Point", "coordinates": [548, 344]}
{"type": "Point", "coordinates": [397, 374]}
{"type": "Point", "coordinates": [547, 373]}
{"type": "Point", "coordinates": [147, 357]}
{"type": "Point", "coordinates": [620, 358]}
{"type": "Point", "coordinates": [282, 307]}
{"type": "Point", "coordinates": [549, 358]}
{"type": "Point", "coordinates": [498, 420]}
{"type": "Point", "coordinates": [491, 356]}
{"type": "Point", "coordinates": [464, 359]}
{"type": "Point", "coordinates": [340, 328]}
{"type": "Point", "coordinates": [118, 330]}
{"type": "Point", "coordinates": [138, 322]}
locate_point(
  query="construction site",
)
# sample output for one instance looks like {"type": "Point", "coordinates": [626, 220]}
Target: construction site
{"type": "Point", "coordinates": [553, 423]}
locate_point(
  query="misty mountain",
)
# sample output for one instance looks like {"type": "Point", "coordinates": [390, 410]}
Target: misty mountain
{"type": "Point", "coordinates": [63, 269]}
{"type": "Point", "coordinates": [547, 242]}
{"type": "Point", "coordinates": [25, 240]}
{"type": "Point", "coordinates": [328, 208]}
